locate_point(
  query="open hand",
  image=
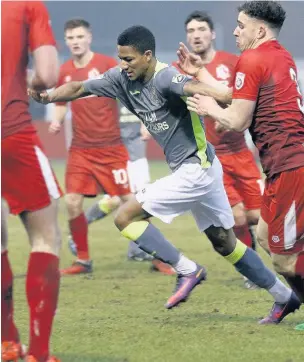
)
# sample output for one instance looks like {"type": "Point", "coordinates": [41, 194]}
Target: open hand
{"type": "Point", "coordinates": [200, 104]}
{"type": "Point", "coordinates": [190, 63]}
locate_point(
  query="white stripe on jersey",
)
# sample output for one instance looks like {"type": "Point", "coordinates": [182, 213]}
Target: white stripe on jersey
{"type": "Point", "coordinates": [47, 173]}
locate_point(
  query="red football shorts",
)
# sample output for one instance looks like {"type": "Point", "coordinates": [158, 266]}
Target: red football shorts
{"type": "Point", "coordinates": [91, 171]}
{"type": "Point", "coordinates": [28, 181]}
{"type": "Point", "coordinates": [242, 179]}
{"type": "Point", "coordinates": [283, 211]}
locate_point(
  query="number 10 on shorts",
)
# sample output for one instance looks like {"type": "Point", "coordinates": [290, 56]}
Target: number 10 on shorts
{"type": "Point", "coordinates": [120, 176]}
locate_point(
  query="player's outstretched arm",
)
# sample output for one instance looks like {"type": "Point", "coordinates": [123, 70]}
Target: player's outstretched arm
{"type": "Point", "coordinates": [220, 93]}
{"type": "Point", "coordinates": [65, 93]}
{"type": "Point", "coordinates": [236, 117]}
{"type": "Point", "coordinates": [192, 64]}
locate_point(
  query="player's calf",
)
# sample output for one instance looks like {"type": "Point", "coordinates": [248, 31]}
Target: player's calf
{"type": "Point", "coordinates": [150, 240]}
{"type": "Point", "coordinates": [74, 204]}
{"type": "Point", "coordinates": [247, 262]}
{"type": "Point", "coordinates": [43, 277]}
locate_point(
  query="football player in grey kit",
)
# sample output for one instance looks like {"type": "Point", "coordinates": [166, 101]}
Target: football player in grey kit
{"type": "Point", "coordinates": [155, 92]}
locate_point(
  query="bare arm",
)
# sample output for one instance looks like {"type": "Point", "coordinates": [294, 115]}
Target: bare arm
{"type": "Point", "coordinates": [236, 117]}
{"type": "Point", "coordinates": [65, 93]}
{"type": "Point", "coordinates": [192, 64]}
{"type": "Point", "coordinates": [60, 113]}
{"type": "Point", "coordinates": [220, 93]}
{"type": "Point", "coordinates": [46, 68]}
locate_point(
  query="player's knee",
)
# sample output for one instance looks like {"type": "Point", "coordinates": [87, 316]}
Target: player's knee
{"type": "Point", "coordinates": [47, 239]}
{"type": "Point", "coordinates": [74, 204]}
{"type": "Point", "coordinates": [121, 219]}
{"type": "Point", "coordinates": [284, 264]}
{"type": "Point", "coordinates": [128, 212]}
{"type": "Point", "coordinates": [253, 216]}
{"type": "Point", "coordinates": [239, 214]}
{"type": "Point", "coordinates": [223, 240]}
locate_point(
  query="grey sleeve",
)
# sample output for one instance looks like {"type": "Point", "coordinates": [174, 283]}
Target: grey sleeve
{"type": "Point", "coordinates": [170, 81]}
{"type": "Point", "coordinates": [106, 85]}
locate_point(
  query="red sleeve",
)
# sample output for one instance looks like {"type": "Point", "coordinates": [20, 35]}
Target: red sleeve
{"type": "Point", "coordinates": [60, 82]}
{"type": "Point", "coordinates": [248, 77]}
{"type": "Point", "coordinates": [40, 31]}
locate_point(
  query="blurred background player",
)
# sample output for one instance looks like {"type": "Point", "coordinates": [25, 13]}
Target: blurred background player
{"type": "Point", "coordinates": [97, 159]}
{"type": "Point", "coordinates": [242, 178]}
{"type": "Point", "coordinates": [266, 72]}
{"type": "Point", "coordinates": [134, 135]}
{"type": "Point", "coordinates": [28, 183]}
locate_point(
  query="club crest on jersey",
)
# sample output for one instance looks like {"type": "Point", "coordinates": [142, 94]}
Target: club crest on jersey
{"type": "Point", "coordinates": [93, 73]}
{"type": "Point", "coordinates": [67, 79]}
{"type": "Point", "coordinates": [222, 72]}
{"type": "Point", "coordinates": [239, 80]}
{"type": "Point", "coordinates": [178, 78]}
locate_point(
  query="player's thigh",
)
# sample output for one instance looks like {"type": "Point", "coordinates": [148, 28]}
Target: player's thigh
{"type": "Point", "coordinates": [28, 181]}
{"type": "Point", "coordinates": [213, 207]}
{"type": "Point", "coordinates": [249, 181]}
{"type": "Point", "coordinates": [283, 210]}
{"type": "Point", "coordinates": [79, 176]}
{"type": "Point", "coordinates": [262, 234]}
{"type": "Point", "coordinates": [174, 194]}
{"type": "Point", "coordinates": [43, 229]}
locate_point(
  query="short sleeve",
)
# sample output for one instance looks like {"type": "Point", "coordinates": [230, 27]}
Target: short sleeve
{"type": "Point", "coordinates": [106, 85]}
{"type": "Point", "coordinates": [40, 31]}
{"type": "Point", "coordinates": [248, 77]}
{"type": "Point", "coordinates": [170, 81]}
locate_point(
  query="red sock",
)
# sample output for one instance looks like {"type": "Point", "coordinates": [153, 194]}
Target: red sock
{"type": "Point", "coordinates": [243, 234]}
{"type": "Point", "coordinates": [300, 265]}
{"type": "Point", "coordinates": [42, 288]}
{"type": "Point", "coordinates": [79, 231]}
{"type": "Point", "coordinates": [9, 331]}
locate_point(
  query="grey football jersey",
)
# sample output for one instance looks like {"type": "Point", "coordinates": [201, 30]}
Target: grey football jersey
{"type": "Point", "coordinates": [160, 104]}
{"type": "Point", "coordinates": [130, 127]}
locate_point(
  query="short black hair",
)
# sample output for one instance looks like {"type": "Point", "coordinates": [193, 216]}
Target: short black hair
{"type": "Point", "coordinates": [138, 37]}
{"type": "Point", "coordinates": [271, 12]}
{"type": "Point", "coordinates": [200, 16]}
{"type": "Point", "coordinates": [77, 23]}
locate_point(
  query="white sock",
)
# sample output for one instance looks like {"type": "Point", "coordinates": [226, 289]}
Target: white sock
{"type": "Point", "coordinates": [185, 266]}
{"type": "Point", "coordinates": [280, 292]}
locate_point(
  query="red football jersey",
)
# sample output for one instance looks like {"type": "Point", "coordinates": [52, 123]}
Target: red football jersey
{"type": "Point", "coordinates": [222, 68]}
{"type": "Point", "coordinates": [95, 119]}
{"type": "Point", "coordinates": [268, 75]}
{"type": "Point", "coordinates": [25, 27]}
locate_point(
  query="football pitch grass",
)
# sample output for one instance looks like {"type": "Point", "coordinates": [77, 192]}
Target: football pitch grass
{"type": "Point", "coordinates": [118, 314]}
